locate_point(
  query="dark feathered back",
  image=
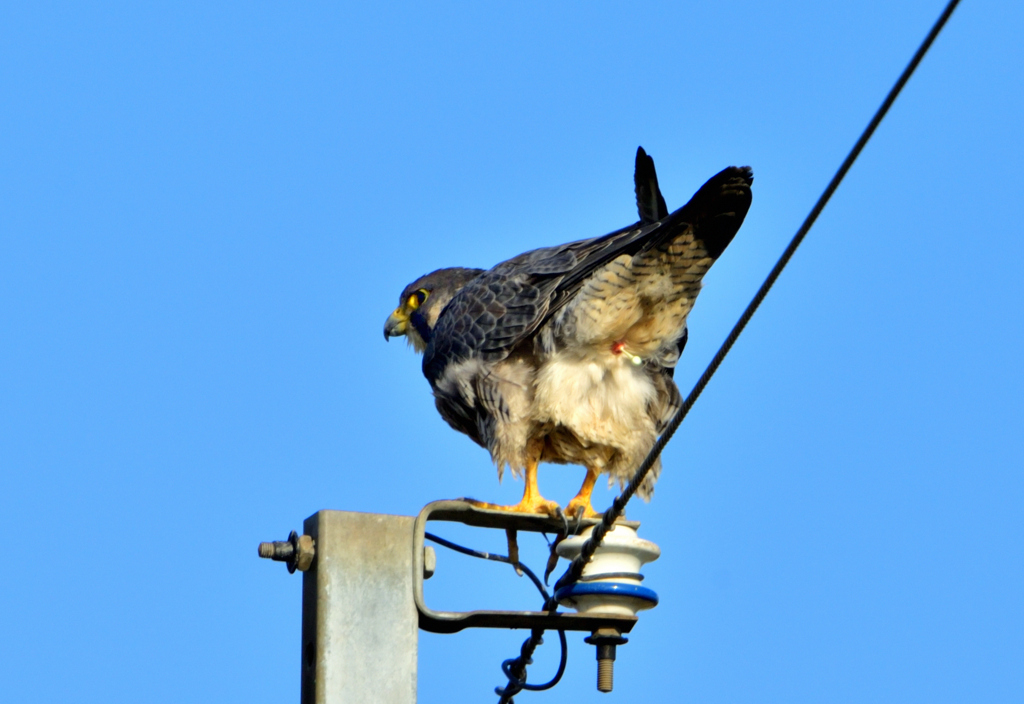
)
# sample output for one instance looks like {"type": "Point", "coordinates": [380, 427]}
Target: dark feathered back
{"type": "Point", "coordinates": [525, 291]}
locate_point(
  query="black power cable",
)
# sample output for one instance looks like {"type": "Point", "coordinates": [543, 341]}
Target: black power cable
{"type": "Point", "coordinates": [575, 569]}
{"type": "Point", "coordinates": [619, 504]}
{"type": "Point", "coordinates": [516, 678]}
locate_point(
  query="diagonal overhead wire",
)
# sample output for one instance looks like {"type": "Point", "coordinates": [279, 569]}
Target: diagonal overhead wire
{"type": "Point", "coordinates": [619, 504]}
{"type": "Point", "coordinates": [575, 570]}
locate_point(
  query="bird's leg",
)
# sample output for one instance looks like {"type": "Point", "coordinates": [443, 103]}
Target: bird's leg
{"type": "Point", "coordinates": [582, 499]}
{"type": "Point", "coordinates": [532, 501]}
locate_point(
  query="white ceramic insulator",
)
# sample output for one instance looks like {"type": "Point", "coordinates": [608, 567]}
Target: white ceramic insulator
{"type": "Point", "coordinates": [621, 551]}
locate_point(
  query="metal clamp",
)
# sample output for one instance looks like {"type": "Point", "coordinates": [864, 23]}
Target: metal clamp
{"type": "Point", "coordinates": [452, 622]}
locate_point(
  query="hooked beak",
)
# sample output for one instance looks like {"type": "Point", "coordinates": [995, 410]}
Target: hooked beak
{"type": "Point", "coordinates": [396, 324]}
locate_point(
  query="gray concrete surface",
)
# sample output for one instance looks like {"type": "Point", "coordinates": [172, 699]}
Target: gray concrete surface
{"type": "Point", "coordinates": [359, 620]}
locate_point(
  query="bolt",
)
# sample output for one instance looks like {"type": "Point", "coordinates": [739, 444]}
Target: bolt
{"type": "Point", "coordinates": [605, 673]}
{"type": "Point", "coordinates": [605, 639]}
{"type": "Point", "coordinates": [298, 551]}
{"type": "Point", "coordinates": [280, 550]}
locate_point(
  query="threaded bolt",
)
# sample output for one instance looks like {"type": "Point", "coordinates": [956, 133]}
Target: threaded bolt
{"type": "Point", "coordinates": [605, 674]}
{"type": "Point", "coordinates": [605, 639]}
{"type": "Point", "coordinates": [298, 551]}
{"type": "Point", "coordinates": [268, 550]}
{"type": "Point", "coordinates": [279, 550]}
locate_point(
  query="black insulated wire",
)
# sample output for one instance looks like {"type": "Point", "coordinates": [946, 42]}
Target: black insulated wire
{"type": "Point", "coordinates": [575, 569]}
{"type": "Point", "coordinates": [516, 676]}
{"type": "Point", "coordinates": [490, 556]}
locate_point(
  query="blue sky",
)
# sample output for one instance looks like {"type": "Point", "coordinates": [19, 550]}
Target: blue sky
{"type": "Point", "coordinates": [208, 211]}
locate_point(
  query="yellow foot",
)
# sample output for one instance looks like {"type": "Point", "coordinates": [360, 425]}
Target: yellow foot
{"type": "Point", "coordinates": [536, 504]}
{"type": "Point", "coordinates": [577, 505]}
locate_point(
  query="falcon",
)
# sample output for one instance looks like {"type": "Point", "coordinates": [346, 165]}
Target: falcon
{"type": "Point", "coordinates": [565, 354]}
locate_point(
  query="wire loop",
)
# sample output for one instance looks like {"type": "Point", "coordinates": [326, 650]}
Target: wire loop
{"type": "Point", "coordinates": [515, 668]}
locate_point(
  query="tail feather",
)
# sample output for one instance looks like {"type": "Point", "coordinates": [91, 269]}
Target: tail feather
{"type": "Point", "coordinates": [717, 210]}
{"type": "Point", "coordinates": [649, 202]}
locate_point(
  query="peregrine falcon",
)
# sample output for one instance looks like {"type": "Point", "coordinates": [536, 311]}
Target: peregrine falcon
{"type": "Point", "coordinates": [565, 354]}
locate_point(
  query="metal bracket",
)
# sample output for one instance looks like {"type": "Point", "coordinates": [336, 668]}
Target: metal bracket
{"type": "Point", "coordinates": [453, 622]}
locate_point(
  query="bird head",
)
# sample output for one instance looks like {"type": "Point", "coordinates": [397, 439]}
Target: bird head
{"type": "Point", "coordinates": [421, 303]}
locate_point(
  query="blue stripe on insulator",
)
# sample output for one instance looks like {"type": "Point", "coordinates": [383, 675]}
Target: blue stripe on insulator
{"type": "Point", "coordinates": [606, 589]}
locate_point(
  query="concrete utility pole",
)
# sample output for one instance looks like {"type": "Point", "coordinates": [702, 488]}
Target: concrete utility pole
{"type": "Point", "coordinates": [359, 620]}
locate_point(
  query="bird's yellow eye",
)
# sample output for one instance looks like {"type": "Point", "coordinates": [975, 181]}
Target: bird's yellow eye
{"type": "Point", "coordinates": [416, 299]}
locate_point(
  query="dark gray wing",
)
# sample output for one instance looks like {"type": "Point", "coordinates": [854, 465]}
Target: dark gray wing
{"type": "Point", "coordinates": [503, 307]}
{"type": "Point", "coordinates": [495, 311]}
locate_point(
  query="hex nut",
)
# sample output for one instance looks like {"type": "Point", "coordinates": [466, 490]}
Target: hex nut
{"type": "Point", "coordinates": [306, 551]}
